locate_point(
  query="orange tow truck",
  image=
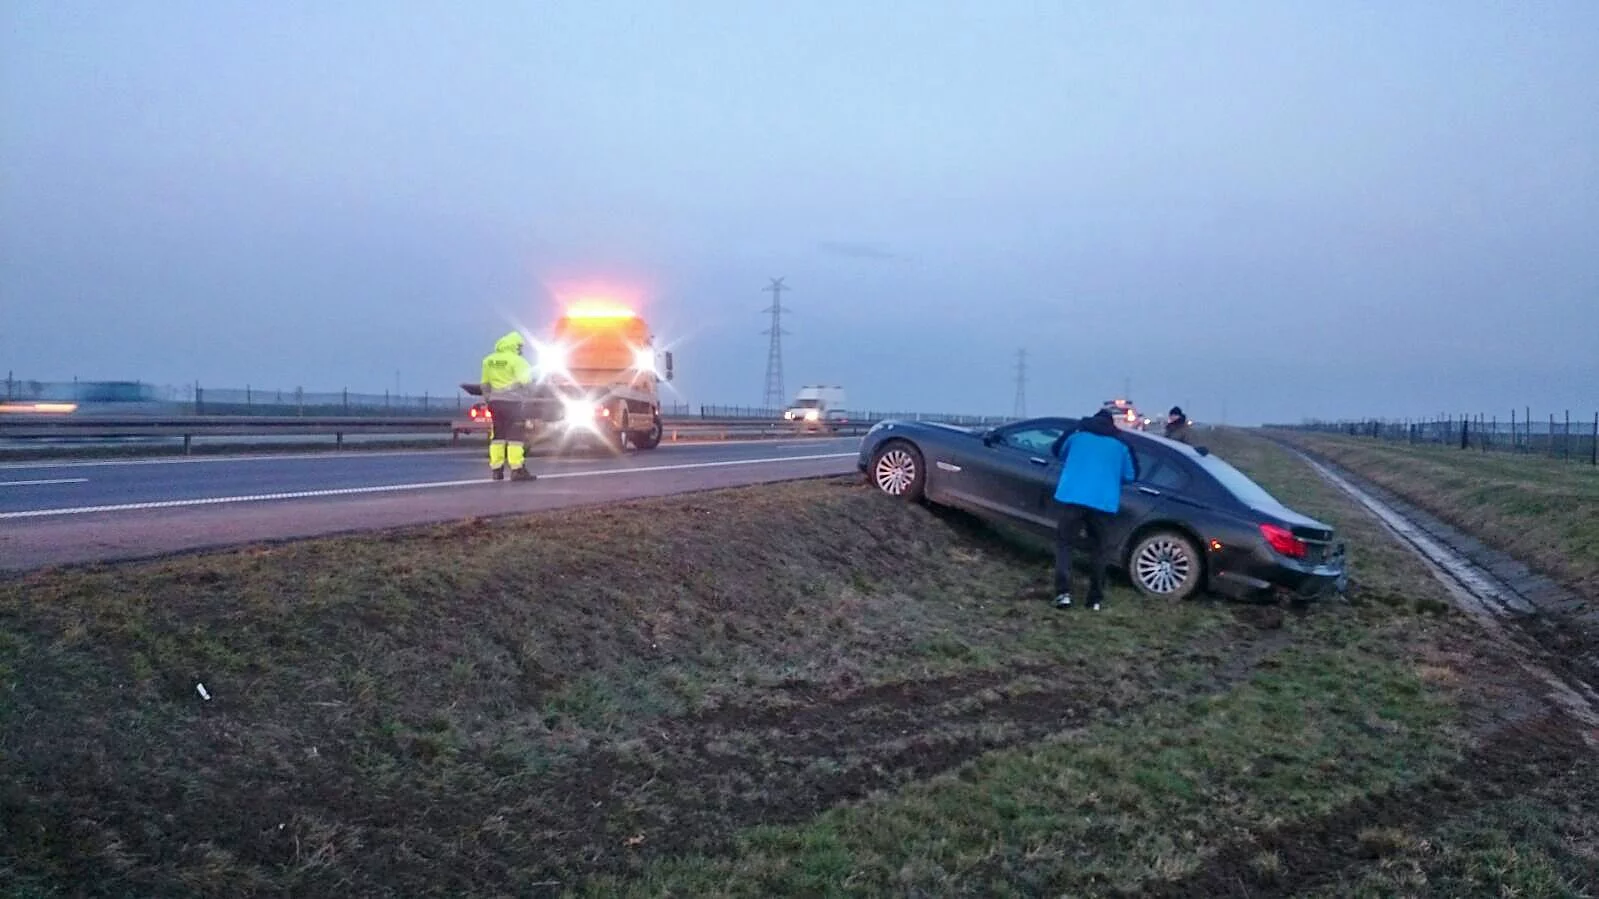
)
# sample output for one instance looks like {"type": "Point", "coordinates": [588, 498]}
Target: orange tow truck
{"type": "Point", "coordinates": [597, 378]}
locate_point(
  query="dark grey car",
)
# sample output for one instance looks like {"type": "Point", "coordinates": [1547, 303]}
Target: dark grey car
{"type": "Point", "coordinates": [1190, 522]}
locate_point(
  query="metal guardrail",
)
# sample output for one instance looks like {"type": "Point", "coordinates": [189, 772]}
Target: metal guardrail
{"type": "Point", "coordinates": [99, 427]}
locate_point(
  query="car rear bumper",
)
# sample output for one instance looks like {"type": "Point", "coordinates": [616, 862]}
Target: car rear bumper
{"type": "Point", "coordinates": [1285, 579]}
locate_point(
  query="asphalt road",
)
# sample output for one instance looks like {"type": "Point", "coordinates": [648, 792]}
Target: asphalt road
{"type": "Point", "coordinates": [55, 513]}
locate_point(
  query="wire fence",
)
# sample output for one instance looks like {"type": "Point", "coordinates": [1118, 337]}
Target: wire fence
{"type": "Point", "coordinates": [756, 412]}
{"type": "Point", "coordinates": [1557, 436]}
{"type": "Point", "coordinates": [197, 399]}
{"type": "Point", "coordinates": [136, 397]}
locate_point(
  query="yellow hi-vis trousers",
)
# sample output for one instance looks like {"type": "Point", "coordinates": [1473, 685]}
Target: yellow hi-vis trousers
{"type": "Point", "coordinates": [503, 451]}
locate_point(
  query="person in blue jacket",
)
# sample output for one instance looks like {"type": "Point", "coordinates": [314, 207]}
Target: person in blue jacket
{"type": "Point", "coordinates": [1095, 463]}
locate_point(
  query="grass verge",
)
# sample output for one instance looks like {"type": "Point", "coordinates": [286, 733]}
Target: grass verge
{"type": "Point", "coordinates": [798, 689]}
{"type": "Point", "coordinates": [1543, 511]}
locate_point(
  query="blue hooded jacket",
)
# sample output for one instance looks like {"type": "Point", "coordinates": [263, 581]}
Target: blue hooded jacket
{"type": "Point", "coordinates": [1095, 463]}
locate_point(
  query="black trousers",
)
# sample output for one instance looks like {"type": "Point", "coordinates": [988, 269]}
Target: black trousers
{"type": "Point", "coordinates": [1084, 529]}
{"type": "Point", "coordinates": [509, 420]}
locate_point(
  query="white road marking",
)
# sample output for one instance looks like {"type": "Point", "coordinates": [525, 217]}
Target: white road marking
{"type": "Point", "coordinates": [361, 454]}
{"type": "Point", "coordinates": [397, 488]}
{"type": "Point", "coordinates": [40, 483]}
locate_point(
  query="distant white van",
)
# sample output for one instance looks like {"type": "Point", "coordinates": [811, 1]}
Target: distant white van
{"type": "Point", "coordinates": [817, 407]}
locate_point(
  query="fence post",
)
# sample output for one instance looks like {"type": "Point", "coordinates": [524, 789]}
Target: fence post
{"type": "Point", "coordinates": [1465, 432]}
{"type": "Point", "coordinates": [9, 381]}
{"type": "Point", "coordinates": [199, 399]}
{"type": "Point", "coordinates": [1594, 450]}
{"type": "Point", "coordinates": [299, 400]}
{"type": "Point", "coordinates": [1565, 443]}
{"type": "Point", "coordinates": [424, 401]}
{"type": "Point", "coordinates": [247, 396]}
{"type": "Point", "coordinates": [346, 401]}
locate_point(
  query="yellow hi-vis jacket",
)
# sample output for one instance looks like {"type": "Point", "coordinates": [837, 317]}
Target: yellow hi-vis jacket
{"type": "Point", "coordinates": [505, 369]}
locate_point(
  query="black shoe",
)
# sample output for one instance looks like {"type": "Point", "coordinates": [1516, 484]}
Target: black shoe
{"type": "Point", "coordinates": [497, 474]}
{"type": "Point", "coordinates": [522, 474]}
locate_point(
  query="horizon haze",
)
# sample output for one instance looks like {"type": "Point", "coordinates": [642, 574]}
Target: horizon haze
{"type": "Point", "coordinates": [1286, 211]}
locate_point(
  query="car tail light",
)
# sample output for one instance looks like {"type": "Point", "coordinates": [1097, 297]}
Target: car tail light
{"type": "Point", "coordinates": [1283, 541]}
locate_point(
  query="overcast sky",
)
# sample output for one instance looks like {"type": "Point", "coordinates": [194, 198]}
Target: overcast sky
{"type": "Point", "coordinates": [1284, 209]}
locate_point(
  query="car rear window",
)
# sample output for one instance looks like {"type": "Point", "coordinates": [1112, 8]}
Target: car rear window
{"type": "Point", "coordinates": [1238, 484]}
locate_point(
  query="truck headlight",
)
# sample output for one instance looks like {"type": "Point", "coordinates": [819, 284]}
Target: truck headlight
{"type": "Point", "coordinates": [551, 359]}
{"type": "Point", "coordinates": [644, 360]}
{"type": "Point", "coordinates": [579, 411]}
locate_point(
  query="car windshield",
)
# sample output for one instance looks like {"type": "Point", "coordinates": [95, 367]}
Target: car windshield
{"type": "Point", "coordinates": [1238, 484]}
{"type": "Point", "coordinates": [807, 404]}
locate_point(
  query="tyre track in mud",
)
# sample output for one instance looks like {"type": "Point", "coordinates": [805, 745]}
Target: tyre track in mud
{"type": "Point", "coordinates": [693, 783]}
{"type": "Point", "coordinates": [1321, 853]}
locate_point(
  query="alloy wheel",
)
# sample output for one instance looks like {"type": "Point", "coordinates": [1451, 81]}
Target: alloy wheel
{"type": "Point", "coordinates": [1163, 565]}
{"type": "Point", "coordinates": [895, 472]}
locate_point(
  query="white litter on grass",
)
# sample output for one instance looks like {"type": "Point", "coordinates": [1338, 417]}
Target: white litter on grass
{"type": "Point", "coordinates": [200, 688]}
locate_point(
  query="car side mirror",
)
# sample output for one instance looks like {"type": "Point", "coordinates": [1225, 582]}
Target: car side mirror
{"type": "Point", "coordinates": [1202, 450]}
{"type": "Point", "coordinates": [990, 437]}
{"type": "Point", "coordinates": [668, 355]}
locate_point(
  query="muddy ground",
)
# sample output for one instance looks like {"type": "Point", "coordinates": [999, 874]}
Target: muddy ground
{"type": "Point", "coordinates": [738, 693]}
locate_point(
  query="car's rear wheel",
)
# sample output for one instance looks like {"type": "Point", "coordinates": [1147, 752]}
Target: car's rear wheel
{"type": "Point", "coordinates": [1165, 565]}
{"type": "Point", "coordinates": [898, 471]}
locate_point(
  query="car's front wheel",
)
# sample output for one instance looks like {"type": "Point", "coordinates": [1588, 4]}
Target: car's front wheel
{"type": "Point", "coordinates": [1165, 565]}
{"type": "Point", "coordinates": [898, 471]}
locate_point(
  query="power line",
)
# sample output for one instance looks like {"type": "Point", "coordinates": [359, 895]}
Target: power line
{"type": "Point", "coordinates": [775, 395]}
{"type": "Point", "coordinates": [1021, 384]}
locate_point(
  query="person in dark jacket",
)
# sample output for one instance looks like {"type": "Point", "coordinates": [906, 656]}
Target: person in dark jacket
{"type": "Point", "coordinates": [1177, 426]}
{"type": "Point", "coordinates": [1095, 463]}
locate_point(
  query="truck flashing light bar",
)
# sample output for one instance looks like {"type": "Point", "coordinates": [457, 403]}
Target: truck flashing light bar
{"type": "Point", "coordinates": [598, 309]}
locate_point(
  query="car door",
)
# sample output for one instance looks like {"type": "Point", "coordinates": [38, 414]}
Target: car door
{"type": "Point", "coordinates": [1009, 473]}
{"type": "Point", "coordinates": [1161, 478]}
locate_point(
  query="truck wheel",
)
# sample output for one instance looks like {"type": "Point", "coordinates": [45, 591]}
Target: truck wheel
{"type": "Point", "coordinates": [648, 440]}
{"type": "Point", "coordinates": [616, 433]}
